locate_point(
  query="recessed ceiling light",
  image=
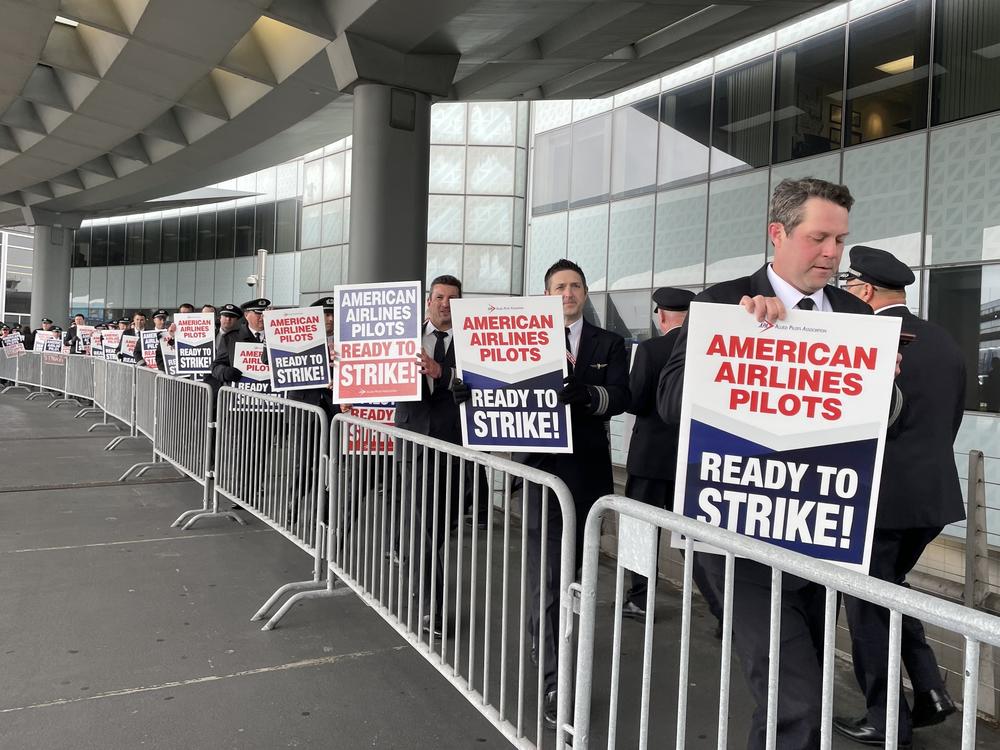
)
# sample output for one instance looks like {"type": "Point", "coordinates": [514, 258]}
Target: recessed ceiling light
{"type": "Point", "coordinates": [893, 67]}
{"type": "Point", "coordinates": [66, 21]}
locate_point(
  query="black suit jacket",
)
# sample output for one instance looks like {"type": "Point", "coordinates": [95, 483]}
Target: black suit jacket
{"type": "Point", "coordinates": [225, 354]}
{"type": "Point", "coordinates": [670, 391]}
{"type": "Point", "coordinates": [652, 452]}
{"type": "Point", "coordinates": [436, 414]}
{"type": "Point", "coordinates": [136, 353]}
{"type": "Point", "coordinates": [601, 363]}
{"type": "Point", "coordinates": [920, 485]}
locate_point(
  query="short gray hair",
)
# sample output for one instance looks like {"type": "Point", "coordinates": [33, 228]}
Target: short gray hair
{"type": "Point", "coordinates": [790, 195]}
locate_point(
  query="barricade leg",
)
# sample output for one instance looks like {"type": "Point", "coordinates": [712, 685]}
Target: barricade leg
{"type": "Point", "coordinates": [15, 387]}
{"type": "Point", "coordinates": [63, 400]}
{"type": "Point", "coordinates": [86, 411]}
{"type": "Point", "coordinates": [189, 518]}
{"type": "Point", "coordinates": [142, 467]}
{"type": "Point", "coordinates": [40, 393]}
{"type": "Point", "coordinates": [105, 424]}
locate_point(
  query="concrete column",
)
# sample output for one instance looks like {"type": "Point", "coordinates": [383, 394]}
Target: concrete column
{"type": "Point", "coordinates": [389, 170]}
{"type": "Point", "coordinates": [50, 275]}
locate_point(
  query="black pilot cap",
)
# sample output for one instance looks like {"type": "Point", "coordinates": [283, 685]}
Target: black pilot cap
{"type": "Point", "coordinates": [327, 303]}
{"type": "Point", "coordinates": [47, 320]}
{"type": "Point", "coordinates": [161, 314]}
{"type": "Point", "coordinates": [878, 267]}
{"type": "Point", "coordinates": [256, 305]}
{"type": "Point", "coordinates": [230, 309]}
{"type": "Point", "coordinates": [669, 298]}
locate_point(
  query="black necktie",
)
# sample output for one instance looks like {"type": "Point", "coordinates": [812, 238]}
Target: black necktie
{"type": "Point", "coordinates": [569, 352]}
{"type": "Point", "coordinates": [439, 347]}
{"type": "Point", "coordinates": [256, 335]}
{"type": "Point", "coordinates": [806, 303]}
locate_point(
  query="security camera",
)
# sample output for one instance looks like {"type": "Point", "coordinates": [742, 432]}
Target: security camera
{"type": "Point", "coordinates": [252, 280]}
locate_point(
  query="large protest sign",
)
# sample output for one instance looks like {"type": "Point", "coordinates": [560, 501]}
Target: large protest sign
{"type": "Point", "coordinates": [13, 344]}
{"type": "Point", "coordinates": [357, 440]}
{"type": "Point", "coordinates": [52, 354]}
{"type": "Point", "coordinates": [148, 341]}
{"type": "Point", "coordinates": [83, 336]}
{"type": "Point", "coordinates": [110, 339]}
{"type": "Point", "coordinates": [296, 348]}
{"type": "Point", "coordinates": [128, 345]}
{"type": "Point", "coordinates": [511, 352]}
{"type": "Point", "coordinates": [195, 342]}
{"type": "Point", "coordinates": [41, 337]}
{"type": "Point", "coordinates": [783, 427]}
{"type": "Point", "coordinates": [169, 354]}
{"type": "Point", "coordinates": [256, 373]}
{"type": "Point", "coordinates": [97, 343]}
{"type": "Point", "coordinates": [378, 334]}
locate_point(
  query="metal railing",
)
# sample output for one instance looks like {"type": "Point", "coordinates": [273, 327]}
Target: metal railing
{"type": "Point", "coordinates": [639, 525]}
{"type": "Point", "coordinates": [54, 379]}
{"type": "Point", "coordinates": [101, 368]}
{"type": "Point", "coordinates": [144, 403]}
{"type": "Point", "coordinates": [80, 382]}
{"type": "Point", "coordinates": [8, 367]}
{"type": "Point", "coordinates": [397, 538]}
{"type": "Point", "coordinates": [119, 400]}
{"type": "Point", "coordinates": [29, 373]}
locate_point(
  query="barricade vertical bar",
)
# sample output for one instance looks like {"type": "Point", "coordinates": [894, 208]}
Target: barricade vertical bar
{"type": "Point", "coordinates": [445, 579]}
{"type": "Point", "coordinates": [474, 577]}
{"type": "Point", "coordinates": [774, 660]}
{"type": "Point", "coordinates": [829, 643]}
{"type": "Point", "coordinates": [725, 668]}
{"type": "Point", "coordinates": [488, 618]}
{"type": "Point", "coordinates": [892, 697]}
{"type": "Point", "coordinates": [682, 679]}
{"type": "Point", "coordinates": [459, 553]}
{"type": "Point", "coordinates": [970, 694]}
{"type": "Point", "coordinates": [616, 656]}
{"type": "Point", "coordinates": [542, 600]}
{"type": "Point", "coordinates": [505, 596]}
{"type": "Point", "coordinates": [522, 625]}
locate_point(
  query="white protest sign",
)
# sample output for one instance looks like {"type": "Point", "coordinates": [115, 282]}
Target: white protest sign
{"type": "Point", "coordinates": [41, 337]}
{"type": "Point", "coordinates": [149, 340]}
{"type": "Point", "coordinates": [195, 342]}
{"type": "Point", "coordinates": [129, 342]}
{"type": "Point", "coordinates": [13, 344]}
{"type": "Point", "coordinates": [378, 333]}
{"type": "Point", "coordinates": [110, 340]}
{"type": "Point", "coordinates": [296, 348]}
{"type": "Point", "coordinates": [782, 427]}
{"type": "Point", "coordinates": [511, 352]}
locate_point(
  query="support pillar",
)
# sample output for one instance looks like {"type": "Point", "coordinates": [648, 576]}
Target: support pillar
{"type": "Point", "coordinates": [389, 171]}
{"type": "Point", "coordinates": [50, 275]}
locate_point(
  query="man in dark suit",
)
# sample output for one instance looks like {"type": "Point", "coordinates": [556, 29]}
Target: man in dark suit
{"type": "Point", "coordinates": [652, 452]}
{"type": "Point", "coordinates": [321, 397]}
{"type": "Point", "coordinates": [72, 339]}
{"type": "Point", "coordinates": [436, 415]}
{"type": "Point", "coordinates": [596, 390]}
{"type": "Point", "coordinates": [808, 221]}
{"type": "Point", "coordinates": [133, 354]}
{"type": "Point", "coordinates": [251, 332]}
{"type": "Point", "coordinates": [919, 494]}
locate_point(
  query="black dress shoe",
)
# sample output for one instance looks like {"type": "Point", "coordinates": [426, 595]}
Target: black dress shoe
{"type": "Point", "coordinates": [860, 730]}
{"type": "Point", "coordinates": [549, 708]}
{"type": "Point", "coordinates": [633, 611]}
{"type": "Point", "coordinates": [426, 627]}
{"type": "Point", "coordinates": [932, 708]}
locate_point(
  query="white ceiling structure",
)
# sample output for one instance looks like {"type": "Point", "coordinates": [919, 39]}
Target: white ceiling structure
{"type": "Point", "coordinates": [122, 101]}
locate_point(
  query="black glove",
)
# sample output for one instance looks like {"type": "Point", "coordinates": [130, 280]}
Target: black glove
{"type": "Point", "coordinates": [574, 392]}
{"type": "Point", "coordinates": [460, 392]}
{"type": "Point", "coordinates": [231, 374]}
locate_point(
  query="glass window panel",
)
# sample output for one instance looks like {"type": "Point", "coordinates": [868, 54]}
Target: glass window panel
{"type": "Point", "coordinates": [808, 97]}
{"type": "Point", "coordinates": [151, 241]}
{"type": "Point", "coordinates": [333, 177]}
{"type": "Point", "coordinates": [98, 287]}
{"type": "Point", "coordinates": [519, 221]}
{"type": "Point", "coordinates": [492, 123]}
{"type": "Point", "coordinates": [313, 182]}
{"type": "Point", "coordinates": [133, 286]}
{"type": "Point", "coordinates": [587, 244]}
{"type": "Point", "coordinates": [443, 259]}
{"type": "Point", "coordinates": [489, 220]}
{"type": "Point", "coordinates": [168, 286]}
{"type": "Point", "coordinates": [591, 161]}
{"type": "Point", "coordinates": [226, 233]}
{"type": "Point", "coordinates": [520, 171]}
{"type": "Point", "coordinates": [332, 265]}
{"type": "Point", "coordinates": [282, 278]}
{"type": "Point", "coordinates": [287, 181]}
{"type": "Point", "coordinates": [81, 247]}
{"type": "Point", "coordinates": [287, 221]}
{"type": "Point", "coordinates": [523, 109]}
{"type": "Point", "coordinates": [99, 247]}
{"type": "Point", "coordinates": [445, 218]}
{"type": "Point", "coordinates": [630, 243]}
{"type": "Point", "coordinates": [79, 287]}
{"type": "Point", "coordinates": [593, 309]}
{"type": "Point", "coordinates": [630, 315]}
{"type": "Point", "coordinates": [185, 283]}
{"type": "Point", "coordinates": [550, 171]}
{"type": "Point", "coordinates": [447, 169]}
{"type": "Point", "coordinates": [448, 122]}
{"type": "Point", "coordinates": [264, 227]}
{"type": "Point", "coordinates": [116, 244]}
{"type": "Point", "coordinates": [517, 270]}
{"type": "Point", "coordinates": [266, 184]}
{"type": "Point", "coordinates": [347, 222]}
{"type": "Point", "coordinates": [187, 237]}
{"type": "Point", "coordinates": [546, 245]}
{"type": "Point", "coordinates": [737, 224]}
{"type": "Point", "coordinates": [584, 108]}
{"type": "Point", "coordinates": [244, 231]}
{"type": "Point", "coordinates": [18, 282]}
{"type": "Point", "coordinates": [150, 295]}
{"type": "Point", "coordinates": [887, 72]}
{"type": "Point", "coordinates": [224, 277]}
{"type": "Point", "coordinates": [116, 287]}
{"type": "Point", "coordinates": [309, 265]}
{"type": "Point", "coordinates": [887, 182]}
{"type": "Point", "coordinates": [348, 165]}
{"type": "Point", "coordinates": [741, 129]}
{"type": "Point", "coordinates": [551, 114]}
{"type": "Point", "coordinates": [206, 234]}
{"type": "Point", "coordinates": [681, 218]}
{"type": "Point", "coordinates": [487, 269]}
{"type": "Point", "coordinates": [333, 223]}
{"type": "Point", "coordinates": [633, 162]}
{"type": "Point", "coordinates": [247, 183]}
{"type": "Point", "coordinates": [491, 170]}
{"type": "Point", "coordinates": [171, 239]}
{"type": "Point", "coordinates": [967, 59]}
{"type": "Point", "coordinates": [966, 302]}
{"type": "Point", "coordinates": [133, 242]}
{"type": "Point", "coordinates": [204, 284]}
{"type": "Point", "coordinates": [963, 205]}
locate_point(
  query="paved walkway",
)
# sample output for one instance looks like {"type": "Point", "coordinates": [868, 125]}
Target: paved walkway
{"type": "Point", "coordinates": [121, 632]}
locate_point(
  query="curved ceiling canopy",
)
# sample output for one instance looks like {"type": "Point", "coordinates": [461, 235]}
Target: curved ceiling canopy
{"type": "Point", "coordinates": [106, 104]}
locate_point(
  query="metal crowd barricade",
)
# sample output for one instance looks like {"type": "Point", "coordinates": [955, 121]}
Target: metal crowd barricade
{"type": "Point", "coordinates": [413, 574]}
{"type": "Point", "coordinates": [145, 421]}
{"type": "Point", "coordinates": [54, 379]}
{"type": "Point", "coordinates": [8, 369]}
{"type": "Point", "coordinates": [271, 456]}
{"type": "Point", "coordinates": [638, 527]}
{"type": "Point", "coordinates": [80, 382]}
{"type": "Point", "coordinates": [120, 398]}
{"type": "Point", "coordinates": [29, 373]}
{"type": "Point", "coordinates": [101, 368]}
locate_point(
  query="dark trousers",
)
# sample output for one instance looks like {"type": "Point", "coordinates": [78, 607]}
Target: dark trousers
{"type": "Point", "coordinates": [801, 654]}
{"type": "Point", "coordinates": [894, 553]}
